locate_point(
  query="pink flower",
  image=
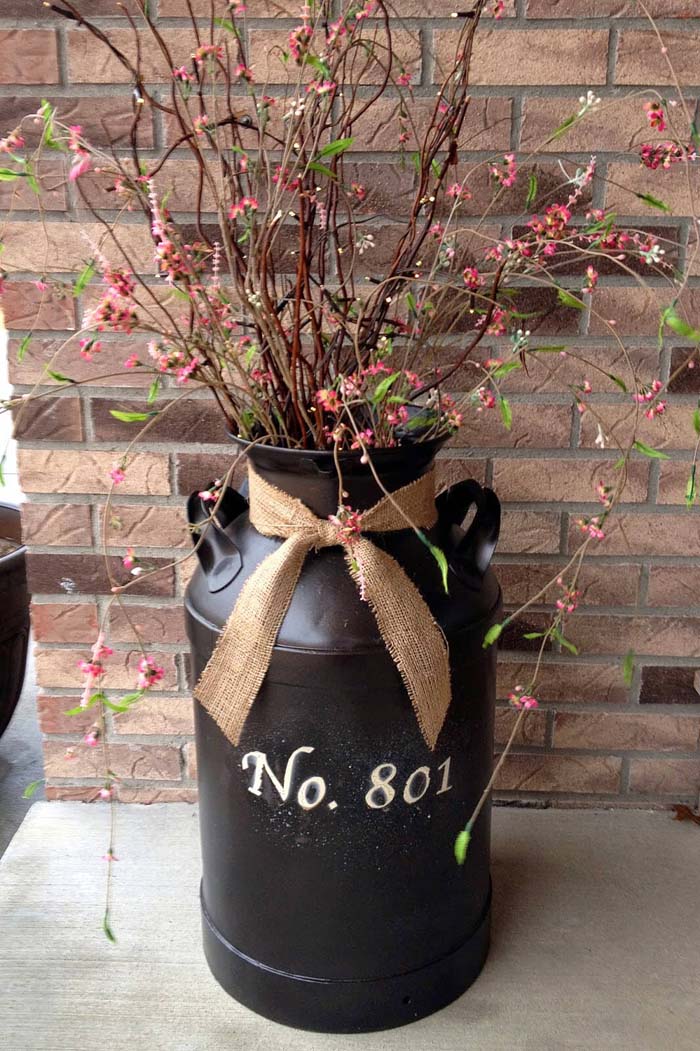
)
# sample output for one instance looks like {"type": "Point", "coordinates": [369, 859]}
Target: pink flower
{"type": "Point", "coordinates": [181, 74]}
{"type": "Point", "coordinates": [348, 524]}
{"type": "Point", "coordinates": [91, 739]}
{"type": "Point", "coordinates": [591, 279]}
{"type": "Point", "coordinates": [110, 856]}
{"type": "Point", "coordinates": [472, 278]}
{"type": "Point", "coordinates": [245, 205]}
{"type": "Point", "coordinates": [505, 173]}
{"type": "Point", "coordinates": [403, 80]}
{"type": "Point", "coordinates": [603, 492]}
{"type": "Point", "coordinates": [11, 142]}
{"type": "Point", "coordinates": [591, 527]}
{"type": "Point", "coordinates": [41, 286]}
{"type": "Point", "coordinates": [149, 673]}
{"type": "Point", "coordinates": [129, 560]}
{"type": "Point", "coordinates": [655, 115]}
{"type": "Point", "coordinates": [499, 7]}
{"type": "Point", "coordinates": [200, 123]}
{"type": "Point", "coordinates": [117, 475]}
{"type": "Point", "coordinates": [459, 191]}
{"type": "Point", "coordinates": [212, 51]}
{"type": "Point", "coordinates": [329, 400]}
{"type": "Point", "coordinates": [132, 362]}
{"type": "Point", "coordinates": [244, 72]}
{"type": "Point", "coordinates": [81, 164]}
{"type": "Point", "coordinates": [397, 416]}
{"type": "Point", "coordinates": [519, 699]}
{"type": "Point", "coordinates": [569, 600]}
{"type": "Point", "coordinates": [106, 793]}
{"type": "Point", "coordinates": [486, 398]}
{"type": "Point", "coordinates": [359, 191]}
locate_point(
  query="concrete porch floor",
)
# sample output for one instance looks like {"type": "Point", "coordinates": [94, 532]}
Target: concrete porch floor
{"type": "Point", "coordinates": [596, 941]}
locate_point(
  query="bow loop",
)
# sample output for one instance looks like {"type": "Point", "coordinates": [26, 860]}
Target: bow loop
{"type": "Point", "coordinates": [236, 670]}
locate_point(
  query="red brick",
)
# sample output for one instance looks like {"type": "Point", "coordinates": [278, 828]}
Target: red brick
{"type": "Point", "coordinates": [607, 8]}
{"type": "Point", "coordinates": [157, 715]}
{"type": "Point", "coordinates": [622, 731]}
{"type": "Point", "coordinates": [103, 120]}
{"type": "Point", "coordinates": [639, 58]}
{"type": "Point", "coordinates": [533, 426]}
{"type": "Point", "coordinates": [65, 246]}
{"type": "Point", "coordinates": [50, 419]}
{"type": "Point", "coordinates": [190, 754]}
{"type": "Point", "coordinates": [196, 470]}
{"type": "Point", "coordinates": [147, 795]}
{"type": "Point", "coordinates": [529, 532]}
{"type": "Point", "coordinates": [144, 525]}
{"type": "Point", "coordinates": [454, 468]}
{"type": "Point", "coordinates": [54, 470]}
{"type": "Point", "coordinates": [542, 56]}
{"type": "Point", "coordinates": [180, 421]}
{"type": "Point", "coordinates": [562, 480]}
{"type": "Point", "coordinates": [28, 56]}
{"type": "Point", "coordinates": [590, 775]}
{"type": "Point", "coordinates": [107, 367]}
{"type": "Point", "coordinates": [267, 45]}
{"type": "Point", "coordinates": [64, 622]}
{"type": "Point", "coordinates": [637, 310]}
{"type": "Point", "coordinates": [131, 761]}
{"type": "Point", "coordinates": [673, 482]}
{"type": "Point", "coordinates": [19, 195]}
{"type": "Point", "coordinates": [567, 680]}
{"type": "Point", "coordinates": [622, 423]}
{"type": "Point", "coordinates": [669, 684]}
{"type": "Point", "coordinates": [155, 624]}
{"type": "Point", "coordinates": [53, 719]}
{"type": "Point", "coordinates": [610, 127]}
{"type": "Point", "coordinates": [674, 585]}
{"type": "Point", "coordinates": [666, 636]}
{"type": "Point", "coordinates": [57, 525]}
{"type": "Point", "coordinates": [59, 668]}
{"type": "Point", "coordinates": [532, 729]}
{"type": "Point", "coordinates": [665, 776]}
{"type": "Point", "coordinates": [625, 181]}
{"type": "Point", "coordinates": [90, 62]}
{"type": "Point", "coordinates": [645, 534]}
{"type": "Point", "coordinates": [25, 307]}
{"type": "Point", "coordinates": [487, 125]}
{"type": "Point", "coordinates": [599, 585]}
{"type": "Point", "coordinates": [86, 574]}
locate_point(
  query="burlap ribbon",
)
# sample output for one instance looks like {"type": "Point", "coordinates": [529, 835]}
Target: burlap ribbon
{"type": "Point", "coordinates": [235, 672]}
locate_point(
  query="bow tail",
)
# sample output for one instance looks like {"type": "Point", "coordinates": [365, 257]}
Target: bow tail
{"type": "Point", "coordinates": [413, 639]}
{"type": "Point", "coordinates": [232, 679]}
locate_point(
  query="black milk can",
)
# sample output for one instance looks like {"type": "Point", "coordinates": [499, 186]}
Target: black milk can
{"type": "Point", "coordinates": [331, 898]}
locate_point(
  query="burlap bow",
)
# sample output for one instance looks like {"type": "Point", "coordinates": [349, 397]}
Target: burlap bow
{"type": "Point", "coordinates": [235, 672]}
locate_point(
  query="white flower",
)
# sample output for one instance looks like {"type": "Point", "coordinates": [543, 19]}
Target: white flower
{"type": "Point", "coordinates": [589, 101]}
{"type": "Point", "coordinates": [364, 243]}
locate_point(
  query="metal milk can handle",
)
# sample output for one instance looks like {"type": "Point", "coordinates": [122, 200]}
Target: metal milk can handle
{"type": "Point", "coordinates": [475, 549]}
{"type": "Point", "coordinates": [218, 556]}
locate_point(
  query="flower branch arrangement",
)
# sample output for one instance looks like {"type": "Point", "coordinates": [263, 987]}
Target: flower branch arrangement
{"type": "Point", "coordinates": [317, 324]}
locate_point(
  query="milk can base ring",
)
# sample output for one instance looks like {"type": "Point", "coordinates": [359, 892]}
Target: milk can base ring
{"type": "Point", "coordinates": [331, 1005]}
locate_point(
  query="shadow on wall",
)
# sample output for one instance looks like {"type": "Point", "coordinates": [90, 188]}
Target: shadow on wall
{"type": "Point", "coordinates": [10, 493]}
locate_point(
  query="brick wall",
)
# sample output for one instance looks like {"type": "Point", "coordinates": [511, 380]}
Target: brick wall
{"type": "Point", "coordinates": [593, 740]}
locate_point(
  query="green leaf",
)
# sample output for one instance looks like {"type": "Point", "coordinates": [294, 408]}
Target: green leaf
{"type": "Point", "coordinates": [506, 412]}
{"type": "Point", "coordinates": [653, 202]}
{"type": "Point", "coordinates": [628, 667]}
{"type": "Point", "coordinates": [695, 135]}
{"type": "Point", "coordinates": [680, 326]}
{"type": "Point", "coordinates": [492, 634]}
{"type": "Point", "coordinates": [23, 348]}
{"type": "Point", "coordinates": [47, 113]}
{"type": "Point", "coordinates": [547, 350]}
{"type": "Point", "coordinates": [29, 175]}
{"type": "Point", "coordinates": [317, 63]}
{"type": "Point", "coordinates": [31, 788]}
{"type": "Point", "coordinates": [563, 127]}
{"type": "Point", "coordinates": [59, 377]}
{"type": "Point", "coordinates": [691, 492]}
{"type": "Point", "coordinates": [322, 169]}
{"type": "Point", "coordinates": [132, 417]}
{"type": "Point", "coordinates": [531, 192]}
{"type": "Point", "coordinates": [646, 450]}
{"type": "Point", "coordinates": [7, 175]}
{"type": "Point", "coordinates": [439, 557]}
{"type": "Point", "coordinates": [84, 277]}
{"type": "Point", "coordinates": [534, 635]}
{"type": "Point", "coordinates": [227, 24]}
{"type": "Point", "coordinates": [130, 699]}
{"type": "Point", "coordinates": [462, 845]}
{"type": "Point", "coordinates": [505, 368]}
{"type": "Point", "coordinates": [568, 300]}
{"type": "Point", "coordinates": [153, 391]}
{"type": "Point", "coordinates": [383, 387]}
{"type": "Point", "coordinates": [108, 930]}
{"type": "Point", "coordinates": [2, 473]}
{"type": "Point", "coordinates": [332, 149]}
{"type": "Point", "coordinates": [565, 642]}
{"type": "Point", "coordinates": [616, 379]}
{"type": "Point", "coordinates": [696, 421]}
